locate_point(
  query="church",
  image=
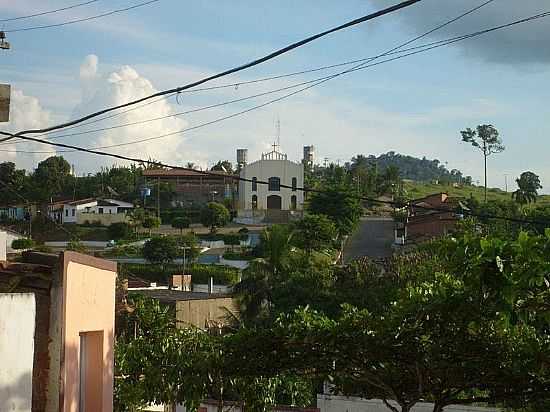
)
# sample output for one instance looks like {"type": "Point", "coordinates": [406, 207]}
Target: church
{"type": "Point", "coordinates": [268, 202]}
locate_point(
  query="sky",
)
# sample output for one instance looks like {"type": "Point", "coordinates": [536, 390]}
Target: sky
{"type": "Point", "coordinates": [416, 105]}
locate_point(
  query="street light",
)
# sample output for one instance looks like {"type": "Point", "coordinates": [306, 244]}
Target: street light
{"type": "Point", "coordinates": [3, 43]}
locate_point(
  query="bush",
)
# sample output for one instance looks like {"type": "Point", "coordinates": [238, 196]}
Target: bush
{"type": "Point", "coordinates": [22, 243]}
{"type": "Point", "coordinates": [181, 223]}
{"type": "Point", "coordinates": [119, 230]}
{"type": "Point", "coordinates": [160, 250]}
{"type": "Point", "coordinates": [215, 215]}
{"type": "Point", "coordinates": [201, 273]}
{"type": "Point", "coordinates": [238, 256]}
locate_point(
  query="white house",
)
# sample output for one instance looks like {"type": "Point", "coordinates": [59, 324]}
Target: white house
{"type": "Point", "coordinates": [275, 169]}
{"type": "Point", "coordinates": [71, 209]}
{"type": "Point", "coordinates": [71, 212]}
{"type": "Point", "coordinates": [110, 207]}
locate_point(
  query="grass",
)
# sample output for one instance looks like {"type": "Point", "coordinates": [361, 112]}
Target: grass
{"type": "Point", "coordinates": [417, 190]}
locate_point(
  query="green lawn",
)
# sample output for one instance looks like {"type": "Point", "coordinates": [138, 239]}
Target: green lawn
{"type": "Point", "coordinates": [417, 190]}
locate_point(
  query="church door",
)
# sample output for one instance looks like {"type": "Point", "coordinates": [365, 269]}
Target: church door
{"type": "Point", "coordinates": [274, 202]}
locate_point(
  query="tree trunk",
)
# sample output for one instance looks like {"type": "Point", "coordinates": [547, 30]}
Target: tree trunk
{"type": "Point", "coordinates": [438, 407]}
{"type": "Point", "coordinates": [485, 154]}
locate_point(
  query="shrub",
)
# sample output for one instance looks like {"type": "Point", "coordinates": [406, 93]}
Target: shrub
{"type": "Point", "coordinates": [181, 223]}
{"type": "Point", "coordinates": [22, 243]}
{"type": "Point", "coordinates": [119, 230]}
{"type": "Point", "coordinates": [201, 273]}
{"type": "Point", "coordinates": [160, 250]}
{"type": "Point", "coordinates": [214, 215]}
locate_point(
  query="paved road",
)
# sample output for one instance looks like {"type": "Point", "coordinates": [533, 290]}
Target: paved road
{"type": "Point", "coordinates": [373, 239]}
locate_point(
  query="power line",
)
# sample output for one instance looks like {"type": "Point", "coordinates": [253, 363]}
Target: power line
{"type": "Point", "coordinates": [316, 82]}
{"type": "Point", "coordinates": [29, 203]}
{"type": "Point", "coordinates": [302, 189]}
{"type": "Point", "coordinates": [74, 6]}
{"type": "Point", "coordinates": [201, 125]}
{"type": "Point", "coordinates": [220, 87]}
{"type": "Point", "coordinates": [418, 49]}
{"type": "Point", "coordinates": [227, 72]}
{"type": "Point", "coordinates": [97, 16]}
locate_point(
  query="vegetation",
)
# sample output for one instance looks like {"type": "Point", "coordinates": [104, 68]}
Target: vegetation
{"type": "Point", "coordinates": [315, 232]}
{"type": "Point", "coordinates": [201, 273]}
{"type": "Point", "coordinates": [119, 230]}
{"type": "Point", "coordinates": [411, 168]}
{"type": "Point", "coordinates": [23, 243]}
{"type": "Point", "coordinates": [214, 215]}
{"type": "Point", "coordinates": [161, 250]}
{"type": "Point", "coordinates": [340, 204]}
{"type": "Point", "coordinates": [528, 186]}
{"type": "Point", "coordinates": [486, 139]}
{"type": "Point", "coordinates": [181, 223]}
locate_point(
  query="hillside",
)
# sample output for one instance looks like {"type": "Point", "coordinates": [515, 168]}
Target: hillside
{"type": "Point", "coordinates": [416, 190]}
{"type": "Point", "coordinates": [410, 167]}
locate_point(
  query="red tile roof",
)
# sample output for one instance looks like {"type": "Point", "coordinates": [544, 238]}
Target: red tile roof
{"type": "Point", "coordinates": [181, 172]}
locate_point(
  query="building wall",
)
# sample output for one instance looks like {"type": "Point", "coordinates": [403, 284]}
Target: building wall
{"type": "Point", "coordinates": [330, 403]}
{"type": "Point", "coordinates": [263, 170]}
{"type": "Point", "coordinates": [3, 245]}
{"type": "Point", "coordinates": [436, 226]}
{"type": "Point", "coordinates": [68, 210]}
{"type": "Point", "coordinates": [201, 312]}
{"type": "Point", "coordinates": [17, 321]}
{"type": "Point", "coordinates": [88, 311]}
{"type": "Point", "coordinates": [105, 219]}
{"type": "Point", "coordinates": [212, 406]}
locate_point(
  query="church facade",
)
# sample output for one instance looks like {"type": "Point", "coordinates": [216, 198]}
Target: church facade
{"type": "Point", "coordinates": [274, 168]}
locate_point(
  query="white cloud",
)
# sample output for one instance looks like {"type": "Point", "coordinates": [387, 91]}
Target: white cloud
{"type": "Point", "coordinates": [25, 113]}
{"type": "Point", "coordinates": [115, 88]}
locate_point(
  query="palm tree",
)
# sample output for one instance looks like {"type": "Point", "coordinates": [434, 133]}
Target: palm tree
{"type": "Point", "coordinates": [528, 185]}
{"type": "Point", "coordinates": [254, 290]}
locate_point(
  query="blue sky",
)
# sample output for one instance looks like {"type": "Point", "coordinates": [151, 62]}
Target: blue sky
{"type": "Point", "coordinates": [414, 106]}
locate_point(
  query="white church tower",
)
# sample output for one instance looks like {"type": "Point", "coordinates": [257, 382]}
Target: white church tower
{"type": "Point", "coordinates": [283, 178]}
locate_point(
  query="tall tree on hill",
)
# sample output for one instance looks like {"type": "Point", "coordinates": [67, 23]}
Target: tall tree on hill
{"type": "Point", "coordinates": [528, 184]}
{"type": "Point", "coordinates": [487, 140]}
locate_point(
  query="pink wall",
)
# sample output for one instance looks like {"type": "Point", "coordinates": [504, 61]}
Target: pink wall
{"type": "Point", "coordinates": [88, 306]}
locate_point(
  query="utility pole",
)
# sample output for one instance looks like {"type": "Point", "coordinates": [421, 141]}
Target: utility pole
{"type": "Point", "coordinates": [506, 182]}
{"type": "Point", "coordinates": [158, 197]}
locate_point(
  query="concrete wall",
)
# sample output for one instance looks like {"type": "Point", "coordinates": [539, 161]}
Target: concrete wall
{"type": "Point", "coordinates": [329, 403]}
{"type": "Point", "coordinates": [17, 320]}
{"type": "Point", "coordinates": [201, 313]}
{"type": "Point", "coordinates": [105, 219]}
{"type": "Point", "coordinates": [3, 245]}
{"type": "Point", "coordinates": [263, 170]}
{"type": "Point", "coordinates": [89, 314]}
{"type": "Point", "coordinates": [212, 406]}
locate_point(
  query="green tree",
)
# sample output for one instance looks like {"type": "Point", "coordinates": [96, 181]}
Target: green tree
{"type": "Point", "coordinates": [232, 239]}
{"type": "Point", "coordinates": [161, 250]}
{"type": "Point", "coordinates": [119, 230]}
{"type": "Point", "coordinates": [50, 177]}
{"type": "Point", "coordinates": [528, 186]}
{"type": "Point", "coordinates": [486, 139]}
{"type": "Point", "coordinates": [15, 180]}
{"type": "Point", "coordinates": [214, 215]}
{"type": "Point", "coordinates": [340, 204]}
{"type": "Point", "coordinates": [315, 232]}
{"type": "Point", "coordinates": [23, 243]}
{"type": "Point", "coordinates": [150, 222]}
{"type": "Point", "coordinates": [181, 223]}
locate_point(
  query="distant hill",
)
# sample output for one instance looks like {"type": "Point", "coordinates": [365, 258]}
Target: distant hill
{"type": "Point", "coordinates": [420, 170]}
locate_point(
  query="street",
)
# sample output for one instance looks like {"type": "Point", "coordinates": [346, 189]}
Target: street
{"type": "Point", "coordinates": [373, 238]}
